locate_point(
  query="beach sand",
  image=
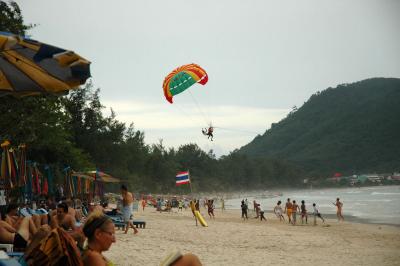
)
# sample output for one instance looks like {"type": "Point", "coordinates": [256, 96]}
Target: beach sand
{"type": "Point", "coordinates": [231, 241]}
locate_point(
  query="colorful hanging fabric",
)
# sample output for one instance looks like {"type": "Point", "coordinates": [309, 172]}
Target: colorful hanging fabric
{"type": "Point", "coordinates": [87, 186]}
{"type": "Point", "coordinates": [79, 186]}
{"type": "Point", "coordinates": [49, 177]}
{"type": "Point", "coordinates": [22, 165]}
{"type": "Point", "coordinates": [13, 166]}
{"type": "Point", "coordinates": [8, 172]}
{"type": "Point", "coordinates": [67, 182]}
{"type": "Point", "coordinates": [45, 185]}
{"type": "Point", "coordinates": [29, 181]}
{"type": "Point", "coordinates": [36, 179]}
{"type": "Point", "coordinates": [74, 185]}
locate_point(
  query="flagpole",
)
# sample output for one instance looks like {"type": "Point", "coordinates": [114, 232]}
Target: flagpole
{"type": "Point", "coordinates": [190, 184]}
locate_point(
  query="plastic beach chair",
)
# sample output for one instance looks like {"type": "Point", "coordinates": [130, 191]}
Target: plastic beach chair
{"type": "Point", "coordinates": [7, 247]}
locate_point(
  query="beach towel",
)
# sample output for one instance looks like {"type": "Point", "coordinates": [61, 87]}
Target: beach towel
{"type": "Point", "coordinates": [54, 248]}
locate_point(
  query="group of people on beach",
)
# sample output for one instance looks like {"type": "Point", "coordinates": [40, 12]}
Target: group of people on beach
{"type": "Point", "coordinates": [20, 225]}
{"type": "Point", "coordinates": [292, 209]}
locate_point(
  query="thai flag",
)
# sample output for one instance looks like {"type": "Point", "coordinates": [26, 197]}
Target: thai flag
{"type": "Point", "coordinates": [182, 178]}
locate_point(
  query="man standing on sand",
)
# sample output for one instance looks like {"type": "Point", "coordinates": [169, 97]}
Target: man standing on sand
{"type": "Point", "coordinates": [339, 206]}
{"type": "Point", "coordinates": [303, 212]}
{"type": "Point", "coordinates": [288, 210]}
{"type": "Point", "coordinates": [295, 207]}
{"type": "Point", "coordinates": [127, 203]}
{"type": "Point", "coordinates": [244, 208]}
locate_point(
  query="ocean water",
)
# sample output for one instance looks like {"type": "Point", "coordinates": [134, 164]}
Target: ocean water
{"type": "Point", "coordinates": [378, 204]}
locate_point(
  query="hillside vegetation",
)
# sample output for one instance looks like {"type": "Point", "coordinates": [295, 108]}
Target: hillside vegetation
{"type": "Point", "coordinates": [352, 128]}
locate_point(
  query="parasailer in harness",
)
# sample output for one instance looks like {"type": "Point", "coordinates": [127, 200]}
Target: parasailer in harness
{"type": "Point", "coordinates": [208, 132]}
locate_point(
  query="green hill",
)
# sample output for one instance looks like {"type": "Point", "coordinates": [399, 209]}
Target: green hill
{"type": "Point", "coordinates": [352, 128]}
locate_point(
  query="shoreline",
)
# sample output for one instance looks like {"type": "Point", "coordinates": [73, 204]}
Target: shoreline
{"type": "Point", "coordinates": [348, 218]}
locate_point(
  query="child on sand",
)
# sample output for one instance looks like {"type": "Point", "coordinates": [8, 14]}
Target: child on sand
{"type": "Point", "coordinates": [339, 206]}
{"type": "Point", "coordinates": [303, 212]}
{"type": "Point", "coordinates": [210, 206]}
{"type": "Point", "coordinates": [278, 211]}
{"type": "Point", "coordinates": [317, 214]}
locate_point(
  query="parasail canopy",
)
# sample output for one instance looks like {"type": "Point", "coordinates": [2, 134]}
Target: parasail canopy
{"type": "Point", "coordinates": [183, 78]}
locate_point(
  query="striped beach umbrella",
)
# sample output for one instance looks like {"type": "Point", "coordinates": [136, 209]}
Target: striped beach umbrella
{"type": "Point", "coordinates": [29, 67]}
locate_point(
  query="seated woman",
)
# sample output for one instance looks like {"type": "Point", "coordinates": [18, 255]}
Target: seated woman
{"type": "Point", "coordinates": [9, 235]}
{"type": "Point", "coordinates": [16, 221]}
{"type": "Point", "coordinates": [100, 231]}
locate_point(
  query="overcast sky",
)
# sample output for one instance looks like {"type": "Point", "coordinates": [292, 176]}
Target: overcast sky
{"type": "Point", "coordinates": [262, 57]}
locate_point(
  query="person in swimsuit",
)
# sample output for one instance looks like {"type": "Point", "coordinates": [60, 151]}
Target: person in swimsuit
{"type": "Point", "coordinates": [262, 217]}
{"type": "Point", "coordinates": [19, 238]}
{"type": "Point", "coordinates": [288, 210]}
{"type": "Point", "coordinates": [100, 232]}
{"type": "Point", "coordinates": [244, 208]}
{"type": "Point", "coordinates": [339, 207]}
{"type": "Point", "coordinates": [278, 211]}
{"type": "Point", "coordinates": [67, 222]}
{"type": "Point", "coordinates": [210, 206]}
{"type": "Point", "coordinates": [144, 203]}
{"type": "Point", "coordinates": [15, 220]}
{"type": "Point", "coordinates": [303, 212]}
{"type": "Point", "coordinates": [127, 203]}
{"type": "Point", "coordinates": [295, 208]}
{"type": "Point", "coordinates": [192, 205]}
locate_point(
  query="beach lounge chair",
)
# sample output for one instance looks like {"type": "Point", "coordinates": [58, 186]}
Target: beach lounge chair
{"type": "Point", "coordinates": [11, 259]}
{"type": "Point", "coordinates": [7, 247]}
{"type": "Point", "coordinates": [119, 222]}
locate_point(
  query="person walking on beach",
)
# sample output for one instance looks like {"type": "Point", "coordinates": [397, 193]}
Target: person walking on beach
{"type": "Point", "coordinates": [210, 208]}
{"type": "Point", "coordinates": [339, 206]}
{"type": "Point", "coordinates": [180, 205]}
{"type": "Point", "coordinates": [262, 217]}
{"type": "Point", "coordinates": [143, 204]}
{"type": "Point", "coordinates": [197, 205]}
{"type": "Point", "coordinates": [244, 208]}
{"type": "Point", "coordinates": [278, 211]}
{"type": "Point", "coordinates": [192, 205]}
{"type": "Point", "coordinates": [288, 210]}
{"type": "Point", "coordinates": [295, 207]}
{"type": "Point", "coordinates": [222, 204]}
{"type": "Point", "coordinates": [257, 210]}
{"type": "Point", "coordinates": [127, 205]}
{"type": "Point", "coordinates": [316, 214]}
{"type": "Point", "coordinates": [303, 212]}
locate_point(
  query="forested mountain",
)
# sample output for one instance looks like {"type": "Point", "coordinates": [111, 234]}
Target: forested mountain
{"type": "Point", "coordinates": [353, 128]}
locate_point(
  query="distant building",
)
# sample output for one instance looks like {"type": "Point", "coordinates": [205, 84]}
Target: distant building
{"type": "Point", "coordinates": [395, 177]}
